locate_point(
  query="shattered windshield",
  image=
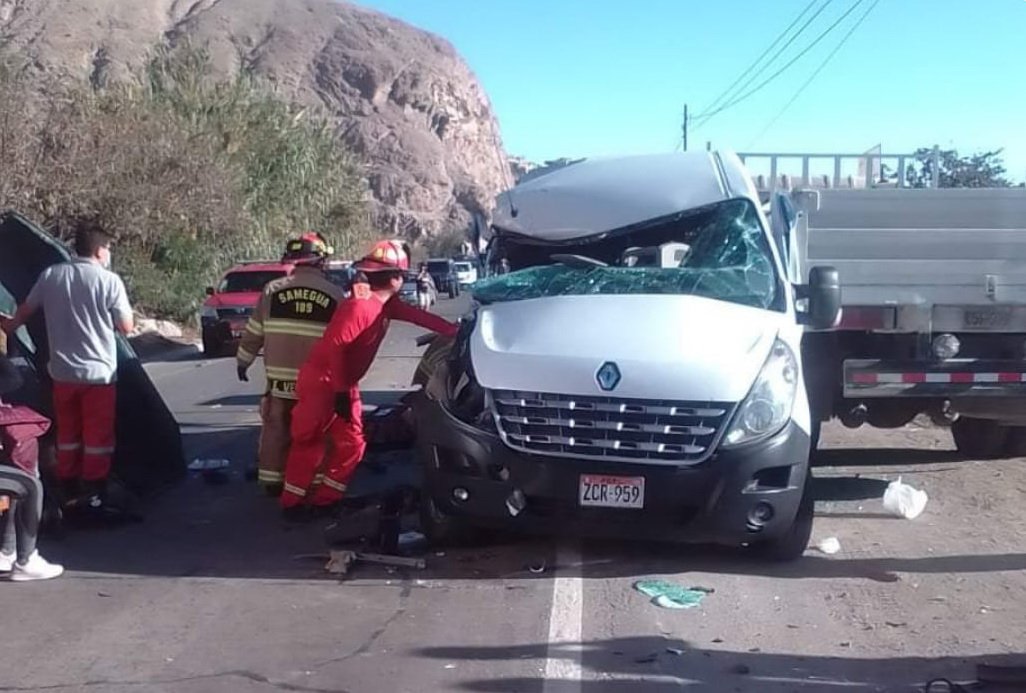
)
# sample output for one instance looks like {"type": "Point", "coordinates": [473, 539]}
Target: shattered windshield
{"type": "Point", "coordinates": [719, 252]}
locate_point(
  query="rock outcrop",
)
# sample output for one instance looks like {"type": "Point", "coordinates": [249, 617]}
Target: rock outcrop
{"type": "Point", "coordinates": [402, 99]}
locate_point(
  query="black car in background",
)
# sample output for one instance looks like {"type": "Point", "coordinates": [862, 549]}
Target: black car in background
{"type": "Point", "coordinates": [443, 272]}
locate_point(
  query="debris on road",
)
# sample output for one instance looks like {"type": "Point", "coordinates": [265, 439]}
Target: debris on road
{"type": "Point", "coordinates": [339, 562]}
{"type": "Point", "coordinates": [207, 465]}
{"type": "Point", "coordinates": [829, 546]}
{"type": "Point", "coordinates": [647, 659]}
{"type": "Point", "coordinates": [411, 541]}
{"type": "Point", "coordinates": [670, 596]}
{"type": "Point", "coordinates": [902, 500]}
{"type": "Point", "coordinates": [675, 651]}
{"type": "Point", "coordinates": [537, 568]}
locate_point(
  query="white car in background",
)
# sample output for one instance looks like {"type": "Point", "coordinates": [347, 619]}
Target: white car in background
{"type": "Point", "coordinates": [466, 273]}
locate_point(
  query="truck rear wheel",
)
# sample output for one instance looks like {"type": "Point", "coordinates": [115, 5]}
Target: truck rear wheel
{"type": "Point", "coordinates": [791, 545]}
{"type": "Point", "coordinates": [980, 438]}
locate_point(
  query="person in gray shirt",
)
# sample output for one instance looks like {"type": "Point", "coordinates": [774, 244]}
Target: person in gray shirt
{"type": "Point", "coordinates": [83, 304]}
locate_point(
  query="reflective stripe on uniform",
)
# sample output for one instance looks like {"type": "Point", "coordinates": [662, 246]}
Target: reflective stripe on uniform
{"type": "Point", "coordinates": [332, 484]}
{"type": "Point", "coordinates": [294, 490]}
{"type": "Point", "coordinates": [254, 327]}
{"type": "Point", "coordinates": [269, 476]}
{"type": "Point", "coordinates": [294, 327]}
{"type": "Point", "coordinates": [244, 356]}
{"type": "Point", "coordinates": [68, 447]}
{"type": "Point", "coordinates": [280, 373]}
{"type": "Point", "coordinates": [99, 451]}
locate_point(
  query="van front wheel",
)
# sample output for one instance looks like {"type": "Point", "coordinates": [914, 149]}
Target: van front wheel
{"type": "Point", "coordinates": [442, 529]}
{"type": "Point", "coordinates": [791, 545]}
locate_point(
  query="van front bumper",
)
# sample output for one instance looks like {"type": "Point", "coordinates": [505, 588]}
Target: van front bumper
{"type": "Point", "coordinates": [712, 502]}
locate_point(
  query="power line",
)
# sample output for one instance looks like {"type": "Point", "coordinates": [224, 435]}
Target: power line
{"type": "Point", "coordinates": [719, 99]}
{"type": "Point", "coordinates": [815, 74]}
{"type": "Point", "coordinates": [815, 42]}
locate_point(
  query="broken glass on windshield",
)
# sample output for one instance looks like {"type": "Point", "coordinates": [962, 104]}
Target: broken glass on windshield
{"type": "Point", "coordinates": [718, 252]}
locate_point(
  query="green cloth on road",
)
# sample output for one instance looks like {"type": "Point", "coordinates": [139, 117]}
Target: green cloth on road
{"type": "Point", "coordinates": [670, 596]}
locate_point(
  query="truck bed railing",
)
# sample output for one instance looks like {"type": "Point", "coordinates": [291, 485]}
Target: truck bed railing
{"type": "Point", "coordinates": [871, 162]}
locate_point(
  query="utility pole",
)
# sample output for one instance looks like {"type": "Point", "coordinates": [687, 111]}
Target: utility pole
{"type": "Point", "coordinates": [684, 127]}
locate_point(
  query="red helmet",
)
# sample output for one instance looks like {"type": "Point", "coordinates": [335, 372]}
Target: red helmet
{"type": "Point", "coordinates": [385, 256]}
{"type": "Point", "coordinates": [308, 248]}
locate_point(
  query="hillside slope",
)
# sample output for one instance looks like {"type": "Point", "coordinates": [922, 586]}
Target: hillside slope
{"type": "Point", "coordinates": [402, 99]}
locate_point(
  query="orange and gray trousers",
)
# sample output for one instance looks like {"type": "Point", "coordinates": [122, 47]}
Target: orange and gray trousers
{"type": "Point", "coordinates": [85, 416]}
{"type": "Point", "coordinates": [326, 447]}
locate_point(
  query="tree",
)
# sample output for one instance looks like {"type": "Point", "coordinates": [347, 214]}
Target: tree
{"type": "Point", "coordinates": [980, 170]}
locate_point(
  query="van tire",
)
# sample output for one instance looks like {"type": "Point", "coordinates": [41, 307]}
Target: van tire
{"type": "Point", "coordinates": [980, 439]}
{"type": "Point", "coordinates": [443, 529]}
{"type": "Point", "coordinates": [791, 545]}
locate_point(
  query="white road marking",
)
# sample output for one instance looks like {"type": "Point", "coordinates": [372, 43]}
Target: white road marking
{"type": "Point", "coordinates": [563, 669]}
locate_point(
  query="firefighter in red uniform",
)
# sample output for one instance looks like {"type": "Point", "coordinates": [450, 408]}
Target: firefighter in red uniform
{"type": "Point", "coordinates": [329, 397]}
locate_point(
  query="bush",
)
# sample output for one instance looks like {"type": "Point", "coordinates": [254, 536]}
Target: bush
{"type": "Point", "coordinates": [190, 174]}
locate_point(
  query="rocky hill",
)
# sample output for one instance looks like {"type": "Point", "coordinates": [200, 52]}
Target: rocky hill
{"type": "Point", "coordinates": [403, 99]}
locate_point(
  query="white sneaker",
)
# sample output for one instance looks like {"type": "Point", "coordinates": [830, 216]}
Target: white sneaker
{"type": "Point", "coordinates": [6, 561]}
{"type": "Point", "coordinates": [36, 568]}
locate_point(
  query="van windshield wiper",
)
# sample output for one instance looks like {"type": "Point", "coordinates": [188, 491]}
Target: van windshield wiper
{"type": "Point", "coordinates": [578, 261]}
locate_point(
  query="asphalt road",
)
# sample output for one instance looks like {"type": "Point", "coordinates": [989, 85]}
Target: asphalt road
{"type": "Point", "coordinates": [210, 593]}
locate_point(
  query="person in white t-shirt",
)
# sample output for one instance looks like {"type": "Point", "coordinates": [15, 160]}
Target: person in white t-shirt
{"type": "Point", "coordinates": [84, 305]}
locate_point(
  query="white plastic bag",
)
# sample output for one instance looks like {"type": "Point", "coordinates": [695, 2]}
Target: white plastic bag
{"type": "Point", "coordinates": [901, 500]}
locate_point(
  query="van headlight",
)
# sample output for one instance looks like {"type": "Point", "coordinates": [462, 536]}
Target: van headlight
{"type": "Point", "coordinates": [768, 405]}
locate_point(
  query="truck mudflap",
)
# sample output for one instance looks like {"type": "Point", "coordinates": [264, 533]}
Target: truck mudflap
{"type": "Point", "coordinates": [955, 378]}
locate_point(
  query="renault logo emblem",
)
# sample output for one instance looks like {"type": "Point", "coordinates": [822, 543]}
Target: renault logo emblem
{"type": "Point", "coordinates": [608, 376]}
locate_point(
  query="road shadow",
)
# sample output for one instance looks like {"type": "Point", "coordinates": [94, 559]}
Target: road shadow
{"type": "Point", "coordinates": [652, 664]}
{"type": "Point", "coordinates": [231, 529]}
{"type": "Point", "coordinates": [883, 457]}
{"type": "Point", "coordinates": [847, 488]}
{"type": "Point", "coordinates": [247, 400]}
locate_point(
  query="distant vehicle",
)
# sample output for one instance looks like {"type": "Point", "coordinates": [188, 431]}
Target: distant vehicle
{"type": "Point", "coordinates": [341, 273]}
{"type": "Point", "coordinates": [443, 272]}
{"type": "Point", "coordinates": [408, 292]}
{"type": "Point", "coordinates": [226, 310]}
{"type": "Point", "coordinates": [466, 272]}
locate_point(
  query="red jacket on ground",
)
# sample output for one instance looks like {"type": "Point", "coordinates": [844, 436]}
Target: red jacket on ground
{"type": "Point", "coordinates": [354, 335]}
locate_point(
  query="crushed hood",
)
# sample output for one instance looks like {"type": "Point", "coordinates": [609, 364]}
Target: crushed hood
{"type": "Point", "coordinates": [665, 347]}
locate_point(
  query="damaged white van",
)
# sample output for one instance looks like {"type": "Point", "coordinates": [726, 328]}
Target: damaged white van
{"type": "Point", "coordinates": [637, 371]}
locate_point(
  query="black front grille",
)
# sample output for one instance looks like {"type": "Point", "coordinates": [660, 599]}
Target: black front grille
{"type": "Point", "coordinates": [609, 428]}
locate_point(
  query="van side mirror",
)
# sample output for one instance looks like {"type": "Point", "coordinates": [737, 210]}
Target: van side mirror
{"type": "Point", "coordinates": [824, 296]}
{"type": "Point", "coordinates": [210, 291]}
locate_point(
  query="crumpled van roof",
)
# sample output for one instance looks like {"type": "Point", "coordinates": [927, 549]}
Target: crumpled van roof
{"type": "Point", "coordinates": [602, 194]}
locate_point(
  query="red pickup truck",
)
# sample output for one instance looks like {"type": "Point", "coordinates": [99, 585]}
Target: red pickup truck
{"type": "Point", "coordinates": [228, 306]}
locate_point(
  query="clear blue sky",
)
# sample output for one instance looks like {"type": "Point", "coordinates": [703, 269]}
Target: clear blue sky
{"type": "Point", "coordinates": [584, 77]}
